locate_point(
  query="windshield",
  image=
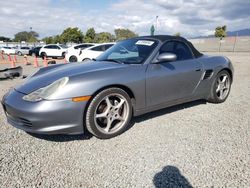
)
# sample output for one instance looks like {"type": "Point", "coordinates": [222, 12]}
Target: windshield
{"type": "Point", "coordinates": [63, 46]}
{"type": "Point", "coordinates": [131, 51]}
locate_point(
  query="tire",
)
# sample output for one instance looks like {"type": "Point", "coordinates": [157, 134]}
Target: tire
{"type": "Point", "coordinates": [221, 87]}
{"type": "Point", "coordinates": [85, 60]}
{"type": "Point", "coordinates": [33, 54]}
{"type": "Point", "coordinates": [72, 58]}
{"type": "Point", "coordinates": [19, 53]}
{"type": "Point", "coordinates": [63, 54]}
{"type": "Point", "coordinates": [43, 54]}
{"type": "Point", "coordinates": [109, 113]}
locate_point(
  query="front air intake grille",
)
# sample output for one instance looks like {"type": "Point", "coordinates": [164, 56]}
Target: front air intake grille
{"type": "Point", "coordinates": [25, 122]}
{"type": "Point", "coordinates": [207, 74]}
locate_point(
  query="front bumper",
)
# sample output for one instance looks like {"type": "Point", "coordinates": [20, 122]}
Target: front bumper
{"type": "Point", "coordinates": [44, 117]}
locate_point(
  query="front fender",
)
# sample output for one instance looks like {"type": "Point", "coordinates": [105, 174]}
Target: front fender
{"type": "Point", "coordinates": [132, 77]}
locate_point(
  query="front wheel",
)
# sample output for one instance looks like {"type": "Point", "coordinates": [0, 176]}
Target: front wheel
{"type": "Point", "coordinates": [73, 58]}
{"type": "Point", "coordinates": [43, 54]}
{"type": "Point", "coordinates": [109, 113]}
{"type": "Point", "coordinates": [221, 87]}
{"type": "Point", "coordinates": [19, 53]}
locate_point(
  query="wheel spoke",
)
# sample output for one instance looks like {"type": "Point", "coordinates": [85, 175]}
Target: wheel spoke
{"type": "Point", "coordinates": [108, 102]}
{"type": "Point", "coordinates": [221, 93]}
{"type": "Point", "coordinates": [119, 105]}
{"type": "Point", "coordinates": [109, 123]}
{"type": "Point", "coordinates": [102, 115]}
{"type": "Point", "coordinates": [218, 89]}
{"type": "Point", "coordinates": [224, 79]}
{"type": "Point", "coordinates": [120, 118]}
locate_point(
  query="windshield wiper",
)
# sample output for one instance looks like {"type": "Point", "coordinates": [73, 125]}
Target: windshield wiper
{"type": "Point", "coordinates": [113, 60]}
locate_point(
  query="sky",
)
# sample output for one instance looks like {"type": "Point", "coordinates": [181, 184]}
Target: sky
{"type": "Point", "coordinates": [189, 17]}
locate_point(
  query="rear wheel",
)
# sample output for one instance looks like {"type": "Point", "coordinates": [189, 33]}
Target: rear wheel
{"type": "Point", "coordinates": [109, 113]}
{"type": "Point", "coordinates": [19, 53]}
{"type": "Point", "coordinates": [63, 54]}
{"type": "Point", "coordinates": [221, 87]}
{"type": "Point", "coordinates": [73, 58]}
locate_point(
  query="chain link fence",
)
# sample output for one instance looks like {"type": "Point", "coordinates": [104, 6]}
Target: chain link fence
{"type": "Point", "coordinates": [228, 44]}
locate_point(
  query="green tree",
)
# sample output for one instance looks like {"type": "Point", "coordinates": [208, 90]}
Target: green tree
{"type": "Point", "coordinates": [152, 30]}
{"type": "Point", "coordinates": [220, 32]}
{"type": "Point", "coordinates": [26, 36]}
{"type": "Point", "coordinates": [90, 35]}
{"type": "Point", "coordinates": [104, 37]}
{"type": "Point", "coordinates": [5, 39]}
{"type": "Point", "coordinates": [71, 35]}
{"type": "Point", "coordinates": [122, 34]}
{"type": "Point", "coordinates": [48, 40]}
{"type": "Point", "coordinates": [178, 34]}
{"type": "Point", "coordinates": [57, 39]}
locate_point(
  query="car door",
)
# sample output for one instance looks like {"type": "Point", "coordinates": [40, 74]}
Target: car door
{"type": "Point", "coordinates": [47, 49]}
{"type": "Point", "coordinates": [55, 50]}
{"type": "Point", "coordinates": [96, 51]}
{"type": "Point", "coordinates": [25, 50]}
{"type": "Point", "coordinates": [170, 81]}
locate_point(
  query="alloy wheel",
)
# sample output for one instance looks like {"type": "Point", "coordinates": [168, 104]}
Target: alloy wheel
{"type": "Point", "coordinates": [222, 86]}
{"type": "Point", "coordinates": [111, 113]}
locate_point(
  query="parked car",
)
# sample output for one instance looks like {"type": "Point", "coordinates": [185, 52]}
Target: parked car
{"type": "Point", "coordinates": [133, 77]}
{"type": "Point", "coordinates": [73, 51]}
{"type": "Point", "coordinates": [8, 50]}
{"type": "Point", "coordinates": [22, 50]}
{"type": "Point", "coordinates": [53, 50]}
{"type": "Point", "coordinates": [35, 51]}
{"type": "Point", "coordinates": [91, 52]}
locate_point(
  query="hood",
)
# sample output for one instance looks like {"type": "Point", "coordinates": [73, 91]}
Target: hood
{"type": "Point", "coordinates": [46, 76]}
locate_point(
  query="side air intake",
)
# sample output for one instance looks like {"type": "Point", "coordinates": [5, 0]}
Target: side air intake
{"type": "Point", "coordinates": [207, 74]}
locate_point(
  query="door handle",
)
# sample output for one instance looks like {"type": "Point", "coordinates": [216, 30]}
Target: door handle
{"type": "Point", "coordinates": [197, 69]}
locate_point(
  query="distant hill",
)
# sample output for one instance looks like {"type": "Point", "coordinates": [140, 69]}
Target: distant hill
{"type": "Point", "coordinates": [242, 32]}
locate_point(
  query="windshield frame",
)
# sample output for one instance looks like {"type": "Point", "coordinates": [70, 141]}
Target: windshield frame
{"type": "Point", "coordinates": [144, 61]}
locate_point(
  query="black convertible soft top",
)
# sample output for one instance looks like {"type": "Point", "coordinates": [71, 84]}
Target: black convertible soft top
{"type": "Point", "coordinates": [164, 38]}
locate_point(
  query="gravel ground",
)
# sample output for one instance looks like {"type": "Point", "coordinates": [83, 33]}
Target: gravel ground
{"type": "Point", "coordinates": [196, 144]}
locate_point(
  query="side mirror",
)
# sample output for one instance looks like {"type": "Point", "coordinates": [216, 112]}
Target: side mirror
{"type": "Point", "coordinates": [166, 57]}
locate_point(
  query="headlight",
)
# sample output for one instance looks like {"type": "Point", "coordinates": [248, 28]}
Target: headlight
{"type": "Point", "coordinates": [46, 92]}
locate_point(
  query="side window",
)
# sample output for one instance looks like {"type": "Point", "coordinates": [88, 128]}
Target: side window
{"type": "Point", "coordinates": [180, 49]}
{"type": "Point", "coordinates": [47, 47]}
{"type": "Point", "coordinates": [83, 46]}
{"type": "Point", "coordinates": [167, 48]}
{"type": "Point", "coordinates": [77, 47]}
{"type": "Point", "coordinates": [54, 47]}
{"type": "Point", "coordinates": [107, 46]}
{"type": "Point", "coordinates": [98, 48]}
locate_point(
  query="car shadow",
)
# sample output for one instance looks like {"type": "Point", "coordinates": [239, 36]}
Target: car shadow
{"type": "Point", "coordinates": [170, 177]}
{"type": "Point", "coordinates": [61, 137]}
{"type": "Point", "coordinates": [167, 110]}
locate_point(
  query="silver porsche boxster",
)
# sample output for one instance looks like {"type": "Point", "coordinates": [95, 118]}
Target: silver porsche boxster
{"type": "Point", "coordinates": [133, 77]}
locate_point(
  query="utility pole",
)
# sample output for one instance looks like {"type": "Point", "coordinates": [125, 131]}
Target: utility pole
{"type": "Point", "coordinates": [235, 39]}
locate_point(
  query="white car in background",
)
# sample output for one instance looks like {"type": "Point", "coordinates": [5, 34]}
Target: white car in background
{"type": "Point", "coordinates": [73, 51]}
{"type": "Point", "coordinates": [53, 50]}
{"type": "Point", "coordinates": [8, 50]}
{"type": "Point", "coordinates": [23, 50]}
{"type": "Point", "coordinates": [92, 52]}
